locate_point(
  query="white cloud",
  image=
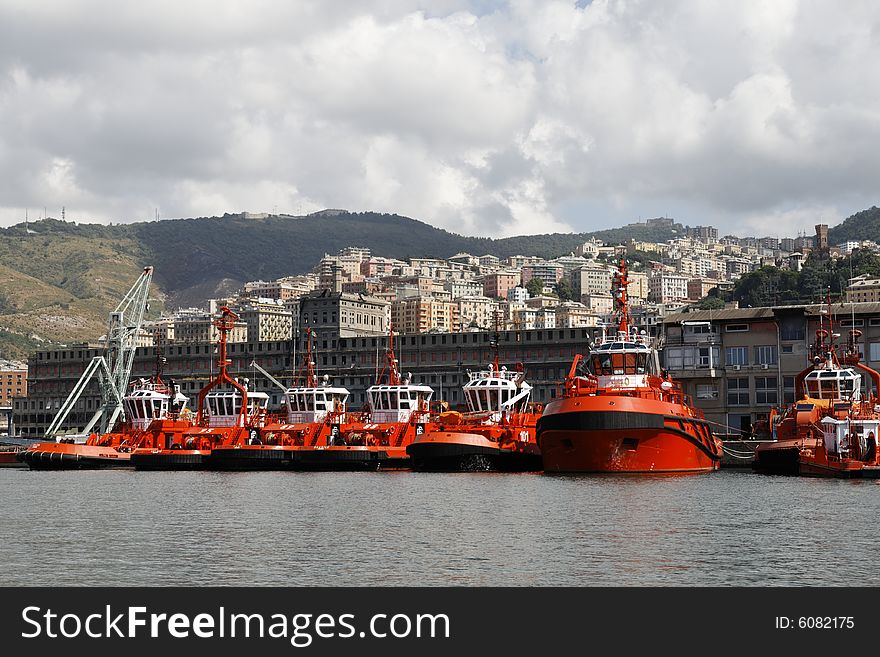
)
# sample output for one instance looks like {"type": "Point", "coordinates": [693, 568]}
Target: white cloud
{"type": "Point", "coordinates": [482, 117]}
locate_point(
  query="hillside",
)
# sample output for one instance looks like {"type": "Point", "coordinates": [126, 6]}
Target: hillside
{"type": "Point", "coordinates": [193, 252]}
{"type": "Point", "coordinates": [864, 225]}
{"type": "Point", "coordinates": [59, 287]}
{"type": "Point", "coordinates": [59, 280]}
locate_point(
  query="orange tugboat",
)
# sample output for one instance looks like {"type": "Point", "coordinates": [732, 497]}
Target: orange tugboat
{"type": "Point", "coordinates": [223, 417]}
{"type": "Point", "coordinates": [316, 415]}
{"type": "Point", "coordinates": [497, 432]}
{"type": "Point", "coordinates": [153, 410]}
{"type": "Point", "coordinates": [625, 415]}
{"type": "Point", "coordinates": [398, 413]}
{"type": "Point", "coordinates": [832, 431]}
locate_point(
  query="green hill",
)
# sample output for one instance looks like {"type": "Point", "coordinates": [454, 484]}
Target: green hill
{"type": "Point", "coordinates": [59, 280]}
{"type": "Point", "coordinates": [864, 225]}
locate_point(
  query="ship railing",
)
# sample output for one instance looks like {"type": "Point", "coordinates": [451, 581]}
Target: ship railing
{"type": "Point", "coordinates": [637, 338]}
{"type": "Point", "coordinates": [493, 374]}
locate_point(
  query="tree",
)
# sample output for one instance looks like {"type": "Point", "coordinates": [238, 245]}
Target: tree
{"type": "Point", "coordinates": [535, 287]}
{"type": "Point", "coordinates": [563, 290]}
{"type": "Point", "coordinates": [710, 302]}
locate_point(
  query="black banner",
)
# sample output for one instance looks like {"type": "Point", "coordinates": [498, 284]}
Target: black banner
{"type": "Point", "coordinates": [423, 621]}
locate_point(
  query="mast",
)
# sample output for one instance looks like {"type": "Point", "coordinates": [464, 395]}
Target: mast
{"type": "Point", "coordinates": [496, 339]}
{"type": "Point", "coordinates": [308, 366]}
{"type": "Point", "coordinates": [390, 362]}
{"type": "Point", "coordinates": [621, 300]}
{"type": "Point", "coordinates": [224, 324]}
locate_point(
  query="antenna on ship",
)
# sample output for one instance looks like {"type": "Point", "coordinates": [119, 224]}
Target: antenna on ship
{"type": "Point", "coordinates": [308, 367]}
{"type": "Point", "coordinates": [495, 341]}
{"type": "Point", "coordinates": [390, 361]}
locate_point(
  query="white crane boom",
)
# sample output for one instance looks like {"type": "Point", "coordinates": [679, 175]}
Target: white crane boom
{"type": "Point", "coordinates": [113, 369]}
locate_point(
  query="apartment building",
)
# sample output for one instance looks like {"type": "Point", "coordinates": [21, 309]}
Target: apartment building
{"type": "Point", "coordinates": [574, 315]}
{"type": "Point", "coordinates": [496, 285]}
{"type": "Point", "coordinates": [192, 327]}
{"type": "Point", "coordinates": [697, 288]}
{"type": "Point", "coordinates": [548, 272]}
{"type": "Point", "coordinates": [463, 288]}
{"type": "Point", "coordinates": [738, 364]}
{"type": "Point", "coordinates": [638, 288]}
{"type": "Point", "coordinates": [344, 315]}
{"type": "Point", "coordinates": [13, 384]}
{"type": "Point", "coordinates": [591, 279]}
{"type": "Point", "coordinates": [863, 289]}
{"type": "Point", "coordinates": [422, 314]}
{"type": "Point", "coordinates": [667, 288]}
{"type": "Point", "coordinates": [267, 321]}
{"type": "Point", "coordinates": [476, 312]}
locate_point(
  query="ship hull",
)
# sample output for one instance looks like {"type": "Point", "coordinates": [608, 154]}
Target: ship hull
{"type": "Point", "coordinates": [253, 457]}
{"type": "Point", "coordinates": [353, 457]}
{"type": "Point", "coordinates": [170, 459]}
{"type": "Point", "coordinates": [781, 458]}
{"type": "Point", "coordinates": [72, 456]}
{"type": "Point", "coordinates": [587, 435]}
{"type": "Point", "coordinates": [342, 457]}
{"type": "Point", "coordinates": [816, 463]}
{"type": "Point", "coordinates": [461, 451]}
{"type": "Point", "coordinates": [843, 470]}
{"type": "Point", "coordinates": [10, 460]}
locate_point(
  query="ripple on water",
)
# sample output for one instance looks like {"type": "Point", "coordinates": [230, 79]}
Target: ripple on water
{"type": "Point", "coordinates": [138, 528]}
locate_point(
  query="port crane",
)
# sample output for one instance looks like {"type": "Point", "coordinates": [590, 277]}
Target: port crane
{"type": "Point", "coordinates": [113, 368]}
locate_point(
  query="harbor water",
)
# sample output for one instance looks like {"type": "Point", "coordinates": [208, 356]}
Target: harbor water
{"type": "Point", "coordinates": [127, 528]}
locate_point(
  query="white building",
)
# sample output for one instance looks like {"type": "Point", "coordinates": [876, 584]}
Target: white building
{"type": "Point", "coordinates": [666, 288]}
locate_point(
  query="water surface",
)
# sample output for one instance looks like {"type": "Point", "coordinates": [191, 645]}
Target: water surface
{"type": "Point", "coordinates": [128, 528]}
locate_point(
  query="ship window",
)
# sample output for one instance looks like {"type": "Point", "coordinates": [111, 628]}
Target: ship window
{"type": "Point", "coordinates": [828, 389]}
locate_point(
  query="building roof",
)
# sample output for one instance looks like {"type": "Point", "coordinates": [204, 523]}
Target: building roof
{"type": "Point", "coordinates": [809, 310]}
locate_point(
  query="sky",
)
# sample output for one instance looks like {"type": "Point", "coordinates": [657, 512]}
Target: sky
{"type": "Point", "coordinates": [482, 117]}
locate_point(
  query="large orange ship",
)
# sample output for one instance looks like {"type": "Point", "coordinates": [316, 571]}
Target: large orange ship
{"type": "Point", "coordinates": [833, 428]}
{"type": "Point", "coordinates": [226, 412]}
{"type": "Point", "coordinates": [316, 415]}
{"type": "Point", "coordinates": [154, 409]}
{"type": "Point", "coordinates": [624, 415]}
{"type": "Point", "coordinates": [496, 433]}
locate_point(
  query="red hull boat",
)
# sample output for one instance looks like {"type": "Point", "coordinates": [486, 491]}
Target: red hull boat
{"type": "Point", "coordinates": [497, 432]}
{"type": "Point", "coordinates": [625, 415]}
{"type": "Point", "coordinates": [637, 436]}
{"type": "Point", "coordinates": [832, 431]}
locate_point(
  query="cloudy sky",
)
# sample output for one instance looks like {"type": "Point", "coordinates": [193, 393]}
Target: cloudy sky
{"type": "Point", "coordinates": [482, 117]}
